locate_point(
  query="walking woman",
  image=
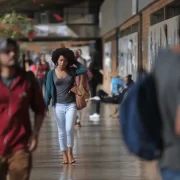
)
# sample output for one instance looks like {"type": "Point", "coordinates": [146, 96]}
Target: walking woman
{"type": "Point", "coordinates": [42, 69]}
{"type": "Point", "coordinates": [26, 62]}
{"type": "Point", "coordinates": [60, 81]}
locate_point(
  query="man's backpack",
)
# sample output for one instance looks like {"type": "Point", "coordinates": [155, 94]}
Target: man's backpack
{"type": "Point", "coordinates": [140, 119]}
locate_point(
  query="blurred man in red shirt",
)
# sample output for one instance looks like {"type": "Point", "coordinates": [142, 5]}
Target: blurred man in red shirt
{"type": "Point", "coordinates": [18, 93]}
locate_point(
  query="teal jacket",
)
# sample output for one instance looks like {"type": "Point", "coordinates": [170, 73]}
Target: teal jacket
{"type": "Point", "coordinates": [50, 86]}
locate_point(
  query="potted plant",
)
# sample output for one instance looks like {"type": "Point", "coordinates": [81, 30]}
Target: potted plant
{"type": "Point", "coordinates": [16, 26]}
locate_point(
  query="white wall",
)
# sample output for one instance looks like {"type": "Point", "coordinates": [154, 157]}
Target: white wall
{"type": "Point", "coordinates": [108, 16]}
{"type": "Point", "coordinates": [115, 12]}
{"type": "Point", "coordinates": [144, 3]}
{"type": "Point", "coordinates": [78, 13]}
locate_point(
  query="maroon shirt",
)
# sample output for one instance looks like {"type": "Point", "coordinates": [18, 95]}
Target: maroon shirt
{"type": "Point", "coordinates": [15, 126]}
{"type": "Point", "coordinates": [42, 70]}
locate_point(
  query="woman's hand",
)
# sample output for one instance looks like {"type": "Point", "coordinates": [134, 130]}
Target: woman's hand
{"type": "Point", "coordinates": [74, 90]}
{"type": "Point", "coordinates": [33, 143]}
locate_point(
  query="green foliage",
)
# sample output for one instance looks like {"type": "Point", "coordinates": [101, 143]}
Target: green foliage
{"type": "Point", "coordinates": [16, 26]}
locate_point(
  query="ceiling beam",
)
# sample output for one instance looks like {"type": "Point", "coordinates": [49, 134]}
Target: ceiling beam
{"type": "Point", "coordinates": [55, 39]}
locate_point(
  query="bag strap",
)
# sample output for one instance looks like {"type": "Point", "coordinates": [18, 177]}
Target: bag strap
{"type": "Point", "coordinates": [81, 80]}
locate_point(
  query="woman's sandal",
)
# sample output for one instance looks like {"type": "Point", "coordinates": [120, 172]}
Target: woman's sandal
{"type": "Point", "coordinates": [72, 162]}
{"type": "Point", "coordinates": [65, 162]}
{"type": "Point", "coordinates": [65, 159]}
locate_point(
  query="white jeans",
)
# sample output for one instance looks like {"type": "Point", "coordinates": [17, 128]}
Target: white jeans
{"type": "Point", "coordinates": [65, 117]}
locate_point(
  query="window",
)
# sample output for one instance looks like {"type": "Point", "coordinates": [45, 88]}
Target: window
{"type": "Point", "coordinates": [44, 18]}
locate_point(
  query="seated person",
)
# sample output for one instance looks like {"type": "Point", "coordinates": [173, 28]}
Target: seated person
{"type": "Point", "coordinates": [115, 99]}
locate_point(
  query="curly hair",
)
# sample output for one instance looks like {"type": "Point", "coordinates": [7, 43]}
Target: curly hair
{"type": "Point", "coordinates": [67, 53]}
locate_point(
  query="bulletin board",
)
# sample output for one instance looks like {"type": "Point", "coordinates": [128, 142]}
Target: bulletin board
{"type": "Point", "coordinates": [162, 35]}
{"type": "Point", "coordinates": [108, 56]}
{"type": "Point", "coordinates": [128, 55]}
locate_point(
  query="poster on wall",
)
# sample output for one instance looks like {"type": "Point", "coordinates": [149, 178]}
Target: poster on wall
{"type": "Point", "coordinates": [162, 35]}
{"type": "Point", "coordinates": [128, 55]}
{"type": "Point", "coordinates": [122, 57]}
{"type": "Point", "coordinates": [107, 56]}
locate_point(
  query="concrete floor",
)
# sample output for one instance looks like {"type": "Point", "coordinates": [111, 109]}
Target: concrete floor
{"type": "Point", "coordinates": [99, 151]}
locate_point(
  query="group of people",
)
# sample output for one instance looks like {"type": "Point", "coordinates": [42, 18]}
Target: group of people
{"type": "Point", "coordinates": [21, 90]}
{"type": "Point", "coordinates": [21, 87]}
{"type": "Point", "coordinates": [40, 67]}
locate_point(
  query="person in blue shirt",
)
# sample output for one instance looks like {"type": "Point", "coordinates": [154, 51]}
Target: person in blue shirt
{"type": "Point", "coordinates": [60, 81]}
{"type": "Point", "coordinates": [103, 97]}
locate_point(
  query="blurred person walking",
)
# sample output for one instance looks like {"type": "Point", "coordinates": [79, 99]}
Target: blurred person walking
{"type": "Point", "coordinates": [150, 114]}
{"type": "Point", "coordinates": [26, 62]}
{"type": "Point", "coordinates": [80, 59]}
{"type": "Point", "coordinates": [60, 82]}
{"type": "Point", "coordinates": [168, 91]}
{"type": "Point", "coordinates": [36, 57]}
{"type": "Point", "coordinates": [19, 91]}
{"type": "Point", "coordinates": [49, 61]}
{"type": "Point", "coordinates": [42, 70]}
{"type": "Point", "coordinates": [95, 68]}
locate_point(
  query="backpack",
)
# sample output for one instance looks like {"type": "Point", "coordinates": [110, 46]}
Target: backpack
{"type": "Point", "coordinates": [140, 119]}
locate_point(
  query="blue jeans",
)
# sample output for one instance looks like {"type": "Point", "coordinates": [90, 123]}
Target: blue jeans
{"type": "Point", "coordinates": [168, 174]}
{"type": "Point", "coordinates": [41, 83]}
{"type": "Point", "coordinates": [65, 117]}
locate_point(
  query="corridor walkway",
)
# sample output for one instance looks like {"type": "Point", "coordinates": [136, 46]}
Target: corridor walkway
{"type": "Point", "coordinates": [99, 151]}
